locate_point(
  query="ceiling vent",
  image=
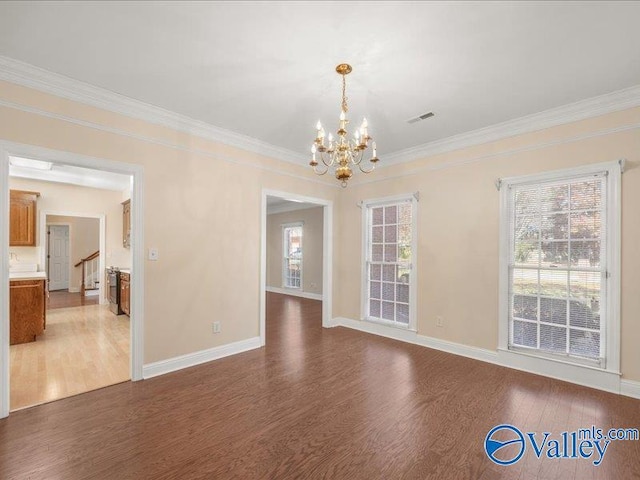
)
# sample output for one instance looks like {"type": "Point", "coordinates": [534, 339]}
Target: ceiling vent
{"type": "Point", "coordinates": [424, 116]}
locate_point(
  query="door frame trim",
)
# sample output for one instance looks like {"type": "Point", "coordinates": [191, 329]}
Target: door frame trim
{"type": "Point", "coordinates": [327, 254]}
{"type": "Point", "coordinates": [8, 149]}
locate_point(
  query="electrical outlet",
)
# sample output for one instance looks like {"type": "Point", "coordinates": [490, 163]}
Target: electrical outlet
{"type": "Point", "coordinates": [439, 321]}
{"type": "Point", "coordinates": [216, 327]}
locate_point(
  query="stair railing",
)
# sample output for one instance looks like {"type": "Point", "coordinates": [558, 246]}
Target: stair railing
{"type": "Point", "coordinates": [90, 272]}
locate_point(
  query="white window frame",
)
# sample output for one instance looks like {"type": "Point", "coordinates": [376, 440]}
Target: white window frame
{"type": "Point", "coordinates": [611, 333]}
{"type": "Point", "coordinates": [285, 250]}
{"type": "Point", "coordinates": [413, 284]}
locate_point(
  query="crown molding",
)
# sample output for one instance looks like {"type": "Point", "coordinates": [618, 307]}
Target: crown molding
{"type": "Point", "coordinates": [31, 76]}
{"type": "Point", "coordinates": [103, 128]}
{"type": "Point", "coordinates": [501, 153]}
{"type": "Point", "coordinates": [573, 112]}
{"type": "Point", "coordinates": [27, 75]}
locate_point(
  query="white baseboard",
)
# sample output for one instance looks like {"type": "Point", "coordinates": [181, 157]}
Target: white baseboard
{"type": "Point", "coordinates": [191, 359]}
{"type": "Point", "coordinates": [91, 293]}
{"type": "Point", "coordinates": [468, 351]}
{"type": "Point", "coordinates": [294, 292]}
{"type": "Point", "coordinates": [410, 336]}
{"type": "Point", "coordinates": [74, 289]}
{"type": "Point", "coordinates": [630, 388]}
{"type": "Point", "coordinates": [586, 376]}
{"type": "Point", "coordinates": [579, 374]}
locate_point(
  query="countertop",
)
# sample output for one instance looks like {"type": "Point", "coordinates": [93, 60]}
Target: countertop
{"type": "Point", "coordinates": [27, 275]}
{"type": "Point", "coordinates": [125, 270]}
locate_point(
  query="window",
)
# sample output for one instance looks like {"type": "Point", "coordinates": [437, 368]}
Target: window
{"type": "Point", "coordinates": [389, 253]}
{"type": "Point", "coordinates": [561, 249]}
{"type": "Point", "coordinates": [292, 253]}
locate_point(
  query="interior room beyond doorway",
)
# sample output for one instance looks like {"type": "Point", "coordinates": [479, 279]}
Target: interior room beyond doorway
{"type": "Point", "coordinates": [77, 229]}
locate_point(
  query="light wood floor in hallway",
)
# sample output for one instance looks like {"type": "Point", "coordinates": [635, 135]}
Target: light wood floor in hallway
{"type": "Point", "coordinates": [314, 404]}
{"type": "Point", "coordinates": [82, 349]}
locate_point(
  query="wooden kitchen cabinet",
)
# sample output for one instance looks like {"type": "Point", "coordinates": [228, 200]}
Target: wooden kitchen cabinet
{"type": "Point", "coordinates": [27, 310]}
{"type": "Point", "coordinates": [22, 218]}
{"type": "Point", "coordinates": [125, 293]}
{"type": "Point", "coordinates": [126, 223]}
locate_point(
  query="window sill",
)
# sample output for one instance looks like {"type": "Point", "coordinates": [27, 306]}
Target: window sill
{"type": "Point", "coordinates": [577, 361]}
{"type": "Point", "coordinates": [388, 323]}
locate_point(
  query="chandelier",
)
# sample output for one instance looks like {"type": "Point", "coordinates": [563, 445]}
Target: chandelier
{"type": "Point", "coordinates": [343, 152]}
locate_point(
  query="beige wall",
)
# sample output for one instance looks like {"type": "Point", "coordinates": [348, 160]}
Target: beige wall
{"type": "Point", "coordinates": [311, 247]}
{"type": "Point", "coordinates": [84, 236]}
{"type": "Point", "coordinates": [202, 208]}
{"type": "Point", "coordinates": [458, 226]}
{"type": "Point", "coordinates": [202, 211]}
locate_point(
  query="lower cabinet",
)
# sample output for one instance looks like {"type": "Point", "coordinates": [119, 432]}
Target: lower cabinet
{"type": "Point", "coordinates": [27, 307]}
{"type": "Point", "coordinates": [125, 292]}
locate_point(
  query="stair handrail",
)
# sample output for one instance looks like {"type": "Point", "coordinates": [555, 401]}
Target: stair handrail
{"type": "Point", "coordinates": [90, 257]}
{"type": "Point", "coordinates": [84, 262]}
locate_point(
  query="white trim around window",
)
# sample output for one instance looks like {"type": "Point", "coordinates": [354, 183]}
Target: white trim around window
{"type": "Point", "coordinates": [536, 360]}
{"type": "Point", "coordinates": [397, 264]}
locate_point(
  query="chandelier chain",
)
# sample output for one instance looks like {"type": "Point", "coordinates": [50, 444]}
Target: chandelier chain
{"type": "Point", "coordinates": [345, 109]}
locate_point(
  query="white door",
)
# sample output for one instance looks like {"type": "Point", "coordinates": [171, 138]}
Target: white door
{"type": "Point", "coordinates": [58, 257]}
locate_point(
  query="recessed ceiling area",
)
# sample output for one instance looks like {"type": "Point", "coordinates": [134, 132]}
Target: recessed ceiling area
{"type": "Point", "coordinates": [266, 69]}
{"type": "Point", "coordinates": [69, 174]}
{"type": "Point", "coordinates": [281, 205]}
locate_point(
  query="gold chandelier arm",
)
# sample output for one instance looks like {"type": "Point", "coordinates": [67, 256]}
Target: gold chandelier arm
{"type": "Point", "coordinates": [373, 167]}
{"type": "Point", "coordinates": [318, 172]}
{"type": "Point", "coordinates": [359, 157]}
{"type": "Point", "coordinates": [331, 160]}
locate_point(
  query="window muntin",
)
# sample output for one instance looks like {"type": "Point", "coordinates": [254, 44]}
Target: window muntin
{"type": "Point", "coordinates": [389, 245]}
{"type": "Point", "coordinates": [292, 256]}
{"type": "Point", "coordinates": [557, 267]}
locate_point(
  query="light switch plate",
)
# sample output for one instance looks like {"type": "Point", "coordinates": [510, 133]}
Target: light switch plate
{"type": "Point", "coordinates": [153, 254]}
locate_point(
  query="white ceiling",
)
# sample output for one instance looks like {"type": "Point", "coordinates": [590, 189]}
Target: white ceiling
{"type": "Point", "coordinates": [266, 69]}
{"type": "Point", "coordinates": [280, 205]}
{"type": "Point", "coordinates": [59, 173]}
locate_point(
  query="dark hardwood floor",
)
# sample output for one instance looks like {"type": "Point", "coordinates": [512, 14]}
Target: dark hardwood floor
{"type": "Point", "coordinates": [315, 403]}
{"type": "Point", "coordinates": [66, 299]}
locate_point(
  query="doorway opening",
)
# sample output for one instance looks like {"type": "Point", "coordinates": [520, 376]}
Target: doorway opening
{"type": "Point", "coordinates": [295, 259]}
{"type": "Point", "coordinates": [73, 257]}
{"type": "Point", "coordinates": [83, 346]}
{"type": "Point", "coordinates": [76, 227]}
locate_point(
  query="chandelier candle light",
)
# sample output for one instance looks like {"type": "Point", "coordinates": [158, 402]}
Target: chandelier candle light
{"type": "Point", "coordinates": [343, 152]}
